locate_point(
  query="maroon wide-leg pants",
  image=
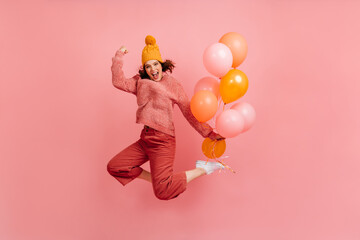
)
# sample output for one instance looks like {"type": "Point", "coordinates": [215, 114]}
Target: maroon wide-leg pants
{"type": "Point", "coordinates": [158, 148]}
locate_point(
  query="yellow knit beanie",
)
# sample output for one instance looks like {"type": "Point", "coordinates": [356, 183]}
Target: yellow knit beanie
{"type": "Point", "coordinates": [151, 50]}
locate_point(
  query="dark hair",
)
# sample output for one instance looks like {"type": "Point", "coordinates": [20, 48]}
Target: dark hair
{"type": "Point", "coordinates": [168, 65]}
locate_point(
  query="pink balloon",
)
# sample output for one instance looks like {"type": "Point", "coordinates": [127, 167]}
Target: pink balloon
{"type": "Point", "coordinates": [217, 59]}
{"type": "Point", "coordinates": [248, 113]}
{"type": "Point", "coordinates": [229, 123]}
{"type": "Point", "coordinates": [208, 83]}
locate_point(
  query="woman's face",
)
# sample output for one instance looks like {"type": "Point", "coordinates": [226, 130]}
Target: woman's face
{"type": "Point", "coordinates": [154, 69]}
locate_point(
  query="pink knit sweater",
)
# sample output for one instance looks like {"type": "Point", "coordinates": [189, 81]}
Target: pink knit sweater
{"type": "Point", "coordinates": [156, 100]}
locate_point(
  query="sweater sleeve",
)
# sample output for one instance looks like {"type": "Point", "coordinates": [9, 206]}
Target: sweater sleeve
{"type": "Point", "coordinates": [118, 78]}
{"type": "Point", "coordinates": [184, 104]}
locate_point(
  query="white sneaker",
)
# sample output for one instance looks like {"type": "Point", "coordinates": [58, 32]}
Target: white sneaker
{"type": "Point", "coordinates": [209, 167]}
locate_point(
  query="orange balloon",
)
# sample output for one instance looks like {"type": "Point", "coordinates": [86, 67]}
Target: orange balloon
{"type": "Point", "coordinates": [213, 148]}
{"type": "Point", "coordinates": [233, 85]}
{"type": "Point", "coordinates": [203, 105]}
{"type": "Point", "coordinates": [238, 46]}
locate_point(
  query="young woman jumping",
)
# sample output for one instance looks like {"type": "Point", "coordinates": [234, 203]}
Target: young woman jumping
{"type": "Point", "coordinates": [156, 92]}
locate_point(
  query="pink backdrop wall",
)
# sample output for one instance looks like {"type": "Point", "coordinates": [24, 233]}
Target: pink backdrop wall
{"type": "Point", "coordinates": [61, 120]}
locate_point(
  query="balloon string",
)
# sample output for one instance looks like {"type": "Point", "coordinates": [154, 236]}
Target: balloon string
{"type": "Point", "coordinates": [213, 149]}
{"type": "Point", "coordinates": [218, 112]}
{"type": "Point", "coordinates": [221, 101]}
{"type": "Point", "coordinates": [220, 159]}
{"type": "Point", "coordinates": [212, 121]}
{"type": "Point", "coordinates": [226, 166]}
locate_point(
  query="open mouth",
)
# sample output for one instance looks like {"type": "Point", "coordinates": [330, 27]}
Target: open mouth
{"type": "Point", "coordinates": [155, 75]}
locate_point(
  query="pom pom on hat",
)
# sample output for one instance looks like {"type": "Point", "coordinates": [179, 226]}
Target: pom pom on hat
{"type": "Point", "coordinates": [150, 40]}
{"type": "Point", "coordinates": [151, 50]}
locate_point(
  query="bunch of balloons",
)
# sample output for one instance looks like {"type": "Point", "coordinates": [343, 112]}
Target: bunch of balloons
{"type": "Point", "coordinates": [221, 60]}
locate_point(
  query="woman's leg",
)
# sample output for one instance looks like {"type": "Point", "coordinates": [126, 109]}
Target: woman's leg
{"type": "Point", "coordinates": [201, 169]}
{"type": "Point", "coordinates": [145, 175]}
{"type": "Point", "coordinates": [194, 173]}
{"type": "Point", "coordinates": [125, 166]}
{"type": "Point", "coordinates": [190, 174]}
{"type": "Point", "coordinates": [160, 148]}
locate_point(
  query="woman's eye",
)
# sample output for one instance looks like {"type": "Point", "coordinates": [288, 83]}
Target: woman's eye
{"type": "Point", "coordinates": [156, 64]}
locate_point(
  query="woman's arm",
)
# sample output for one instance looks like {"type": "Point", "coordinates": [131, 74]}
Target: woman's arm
{"type": "Point", "coordinates": [118, 78]}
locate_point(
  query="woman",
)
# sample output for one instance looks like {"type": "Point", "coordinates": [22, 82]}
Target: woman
{"type": "Point", "coordinates": [156, 93]}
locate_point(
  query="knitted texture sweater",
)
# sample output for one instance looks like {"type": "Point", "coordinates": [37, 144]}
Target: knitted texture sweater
{"type": "Point", "coordinates": [156, 100]}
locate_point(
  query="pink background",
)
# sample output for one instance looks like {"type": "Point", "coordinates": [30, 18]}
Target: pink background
{"type": "Point", "coordinates": [62, 120]}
